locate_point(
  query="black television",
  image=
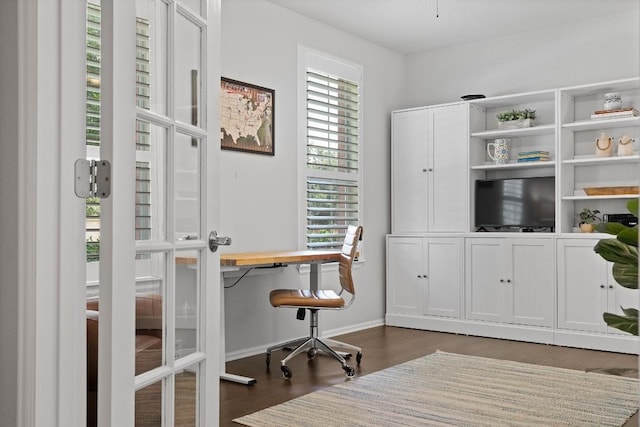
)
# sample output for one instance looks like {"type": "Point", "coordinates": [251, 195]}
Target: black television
{"type": "Point", "coordinates": [523, 203]}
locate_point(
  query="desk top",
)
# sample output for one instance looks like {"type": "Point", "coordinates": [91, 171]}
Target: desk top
{"type": "Point", "coordinates": [278, 257]}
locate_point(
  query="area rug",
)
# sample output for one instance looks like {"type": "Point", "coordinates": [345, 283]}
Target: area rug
{"type": "Point", "coordinates": [452, 389]}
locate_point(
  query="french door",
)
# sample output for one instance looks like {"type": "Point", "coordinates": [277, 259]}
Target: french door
{"type": "Point", "coordinates": [152, 113]}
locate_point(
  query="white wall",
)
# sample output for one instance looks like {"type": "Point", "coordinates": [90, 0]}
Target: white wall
{"type": "Point", "coordinates": [259, 201]}
{"type": "Point", "coordinates": [582, 52]}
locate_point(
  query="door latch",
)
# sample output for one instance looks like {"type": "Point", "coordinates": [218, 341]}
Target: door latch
{"type": "Point", "coordinates": [215, 241]}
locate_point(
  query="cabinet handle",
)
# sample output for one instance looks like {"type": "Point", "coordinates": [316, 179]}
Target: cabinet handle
{"type": "Point", "coordinates": [610, 286]}
{"type": "Point", "coordinates": [508, 280]}
{"type": "Point", "coordinates": [601, 286]}
{"type": "Point", "coordinates": [430, 169]}
{"type": "Point", "coordinates": [501, 280]}
{"type": "Point", "coordinates": [424, 170]}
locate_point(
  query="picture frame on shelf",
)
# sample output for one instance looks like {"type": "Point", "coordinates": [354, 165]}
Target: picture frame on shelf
{"type": "Point", "coordinates": [247, 117]}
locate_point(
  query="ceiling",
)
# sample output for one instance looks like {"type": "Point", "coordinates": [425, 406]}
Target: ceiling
{"type": "Point", "coordinates": [409, 26]}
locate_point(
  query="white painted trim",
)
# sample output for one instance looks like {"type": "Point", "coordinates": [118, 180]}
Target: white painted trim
{"type": "Point", "coordinates": [116, 367]}
{"type": "Point", "coordinates": [252, 351]}
{"type": "Point", "coordinates": [27, 196]}
{"type": "Point", "coordinates": [72, 321]}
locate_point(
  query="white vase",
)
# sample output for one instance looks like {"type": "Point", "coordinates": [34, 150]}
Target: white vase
{"type": "Point", "coordinates": [612, 101]}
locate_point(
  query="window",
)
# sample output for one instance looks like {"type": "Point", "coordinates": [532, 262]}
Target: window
{"type": "Point", "coordinates": [143, 211]}
{"type": "Point", "coordinates": [332, 165]}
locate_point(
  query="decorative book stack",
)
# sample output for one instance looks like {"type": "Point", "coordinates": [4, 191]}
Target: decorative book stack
{"type": "Point", "coordinates": [533, 156]}
{"type": "Point", "coordinates": [615, 114]}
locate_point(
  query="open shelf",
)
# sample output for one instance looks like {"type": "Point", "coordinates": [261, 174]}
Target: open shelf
{"type": "Point", "coordinates": [515, 133]}
{"type": "Point", "coordinates": [593, 160]}
{"type": "Point", "coordinates": [515, 165]}
{"type": "Point", "coordinates": [604, 197]}
{"type": "Point", "coordinates": [602, 123]}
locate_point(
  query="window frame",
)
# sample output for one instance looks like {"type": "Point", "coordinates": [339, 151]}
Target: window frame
{"type": "Point", "coordinates": [316, 60]}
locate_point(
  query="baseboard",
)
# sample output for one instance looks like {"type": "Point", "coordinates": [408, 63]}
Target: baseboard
{"type": "Point", "coordinates": [618, 343]}
{"type": "Point", "coordinates": [352, 328]}
{"type": "Point", "coordinates": [252, 351]}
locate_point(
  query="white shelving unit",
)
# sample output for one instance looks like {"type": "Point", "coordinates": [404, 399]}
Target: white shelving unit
{"type": "Point", "coordinates": [498, 299]}
{"type": "Point", "coordinates": [578, 166]}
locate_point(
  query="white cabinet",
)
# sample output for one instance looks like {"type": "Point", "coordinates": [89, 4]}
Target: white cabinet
{"type": "Point", "coordinates": [510, 280]}
{"type": "Point", "coordinates": [424, 275]}
{"type": "Point", "coordinates": [429, 189]}
{"type": "Point", "coordinates": [586, 288]}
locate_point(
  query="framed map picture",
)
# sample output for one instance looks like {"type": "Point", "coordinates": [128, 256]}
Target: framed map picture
{"type": "Point", "coordinates": [247, 113]}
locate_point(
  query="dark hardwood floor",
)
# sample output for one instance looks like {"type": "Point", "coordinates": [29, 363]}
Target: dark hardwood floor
{"type": "Point", "coordinates": [386, 346]}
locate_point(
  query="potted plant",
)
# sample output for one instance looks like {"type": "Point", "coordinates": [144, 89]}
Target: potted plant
{"type": "Point", "coordinates": [588, 220]}
{"type": "Point", "coordinates": [623, 253]}
{"type": "Point", "coordinates": [515, 119]}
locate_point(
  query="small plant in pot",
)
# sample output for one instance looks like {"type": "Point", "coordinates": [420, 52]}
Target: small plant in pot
{"type": "Point", "coordinates": [588, 220]}
{"type": "Point", "coordinates": [515, 119]}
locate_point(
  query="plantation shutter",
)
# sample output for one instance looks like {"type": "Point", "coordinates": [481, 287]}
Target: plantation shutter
{"type": "Point", "coordinates": [143, 203]}
{"type": "Point", "coordinates": [333, 176]}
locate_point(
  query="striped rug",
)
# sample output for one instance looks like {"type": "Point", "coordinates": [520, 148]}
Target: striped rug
{"type": "Point", "coordinates": [452, 389]}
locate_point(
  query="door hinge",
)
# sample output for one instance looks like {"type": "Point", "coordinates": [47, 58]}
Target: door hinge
{"type": "Point", "coordinates": [93, 178]}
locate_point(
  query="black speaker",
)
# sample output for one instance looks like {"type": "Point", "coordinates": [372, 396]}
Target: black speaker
{"type": "Point", "coordinates": [625, 219]}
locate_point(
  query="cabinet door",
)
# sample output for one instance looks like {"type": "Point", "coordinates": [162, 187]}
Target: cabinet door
{"type": "Point", "coordinates": [409, 171]}
{"type": "Point", "coordinates": [404, 275]}
{"type": "Point", "coordinates": [448, 196]}
{"type": "Point", "coordinates": [618, 297]}
{"type": "Point", "coordinates": [484, 296]}
{"type": "Point", "coordinates": [529, 287]}
{"type": "Point", "coordinates": [444, 261]}
{"type": "Point", "coordinates": [582, 286]}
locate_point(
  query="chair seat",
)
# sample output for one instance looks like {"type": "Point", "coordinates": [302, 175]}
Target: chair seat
{"type": "Point", "coordinates": [305, 298]}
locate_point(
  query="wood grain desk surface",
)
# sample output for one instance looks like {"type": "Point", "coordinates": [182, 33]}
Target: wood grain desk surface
{"type": "Point", "coordinates": [278, 257]}
{"type": "Point", "coordinates": [245, 259]}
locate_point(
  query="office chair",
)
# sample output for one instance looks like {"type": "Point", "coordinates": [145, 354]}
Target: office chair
{"type": "Point", "coordinates": [321, 299]}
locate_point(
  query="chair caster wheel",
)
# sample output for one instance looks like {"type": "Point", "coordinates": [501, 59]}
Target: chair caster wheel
{"type": "Point", "coordinates": [349, 371]}
{"type": "Point", "coordinates": [312, 353]}
{"type": "Point", "coordinates": [358, 358]}
{"type": "Point", "coordinates": [268, 360]}
{"type": "Point", "coordinates": [286, 372]}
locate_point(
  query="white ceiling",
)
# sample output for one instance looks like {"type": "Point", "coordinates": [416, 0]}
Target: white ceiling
{"type": "Point", "coordinates": [409, 26]}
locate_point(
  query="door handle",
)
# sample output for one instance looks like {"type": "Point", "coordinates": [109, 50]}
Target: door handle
{"type": "Point", "coordinates": [215, 241]}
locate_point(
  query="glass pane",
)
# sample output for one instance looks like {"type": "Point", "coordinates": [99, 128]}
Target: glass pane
{"type": "Point", "coordinates": [151, 181]}
{"type": "Point", "coordinates": [187, 302]}
{"type": "Point", "coordinates": [188, 72]}
{"type": "Point", "coordinates": [151, 55]}
{"type": "Point", "coordinates": [148, 405]}
{"type": "Point", "coordinates": [186, 396]}
{"type": "Point", "coordinates": [187, 186]}
{"type": "Point", "coordinates": [151, 273]}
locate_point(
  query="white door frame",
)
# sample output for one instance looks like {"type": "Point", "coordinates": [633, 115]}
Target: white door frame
{"type": "Point", "coordinates": [51, 319]}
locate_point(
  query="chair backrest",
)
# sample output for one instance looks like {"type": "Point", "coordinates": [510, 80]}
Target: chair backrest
{"type": "Point", "coordinates": [349, 248]}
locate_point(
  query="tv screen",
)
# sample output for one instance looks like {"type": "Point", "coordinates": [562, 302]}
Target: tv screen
{"type": "Point", "coordinates": [515, 202]}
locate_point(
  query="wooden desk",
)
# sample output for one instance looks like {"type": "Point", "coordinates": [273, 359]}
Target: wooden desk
{"type": "Point", "coordinates": [236, 261]}
{"type": "Point", "coordinates": [253, 259]}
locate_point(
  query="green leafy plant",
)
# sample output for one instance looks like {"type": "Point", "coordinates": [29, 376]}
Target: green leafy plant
{"type": "Point", "coordinates": [623, 253]}
{"type": "Point", "coordinates": [588, 216]}
{"type": "Point", "coordinates": [507, 116]}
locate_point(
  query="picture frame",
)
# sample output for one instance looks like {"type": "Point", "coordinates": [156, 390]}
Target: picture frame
{"type": "Point", "coordinates": [247, 114]}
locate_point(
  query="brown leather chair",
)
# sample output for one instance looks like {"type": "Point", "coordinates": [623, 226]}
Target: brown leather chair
{"type": "Point", "coordinates": [322, 299]}
{"type": "Point", "coordinates": [148, 345]}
